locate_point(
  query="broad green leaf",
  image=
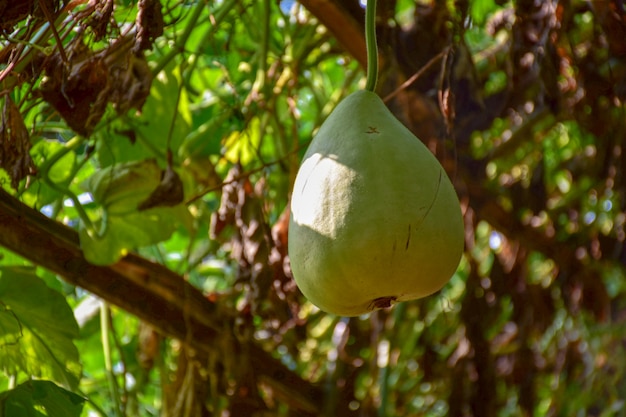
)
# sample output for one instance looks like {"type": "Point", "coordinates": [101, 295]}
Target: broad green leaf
{"type": "Point", "coordinates": [43, 346]}
{"type": "Point", "coordinates": [148, 135]}
{"type": "Point", "coordinates": [10, 327]}
{"type": "Point", "coordinates": [126, 232]}
{"type": "Point", "coordinates": [120, 188]}
{"type": "Point", "coordinates": [168, 104]}
{"type": "Point", "coordinates": [40, 398]}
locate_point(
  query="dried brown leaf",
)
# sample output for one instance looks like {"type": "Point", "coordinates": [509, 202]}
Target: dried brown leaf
{"type": "Point", "coordinates": [81, 89]}
{"type": "Point", "coordinates": [149, 23]}
{"type": "Point", "coordinates": [131, 80]}
{"type": "Point", "coordinates": [14, 144]}
{"type": "Point", "coordinates": [78, 90]}
{"type": "Point", "coordinates": [225, 215]}
{"type": "Point", "coordinates": [100, 17]}
{"type": "Point", "coordinates": [148, 346]}
{"type": "Point", "coordinates": [168, 193]}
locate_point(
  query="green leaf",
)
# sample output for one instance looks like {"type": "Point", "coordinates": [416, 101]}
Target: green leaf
{"type": "Point", "coordinates": [243, 146]}
{"type": "Point", "coordinates": [480, 10]}
{"type": "Point", "coordinates": [149, 134]}
{"type": "Point", "coordinates": [123, 233]}
{"type": "Point", "coordinates": [10, 258]}
{"type": "Point", "coordinates": [122, 187]}
{"type": "Point", "coordinates": [205, 140]}
{"type": "Point", "coordinates": [41, 345]}
{"type": "Point", "coordinates": [40, 398]}
{"type": "Point", "coordinates": [10, 327]}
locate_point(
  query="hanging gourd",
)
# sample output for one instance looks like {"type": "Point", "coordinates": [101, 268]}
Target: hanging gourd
{"type": "Point", "coordinates": [374, 219]}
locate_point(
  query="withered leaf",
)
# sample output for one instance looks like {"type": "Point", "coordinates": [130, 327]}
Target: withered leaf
{"type": "Point", "coordinates": [78, 90]}
{"type": "Point", "coordinates": [101, 17]}
{"type": "Point", "coordinates": [148, 346]}
{"type": "Point", "coordinates": [149, 23]}
{"type": "Point", "coordinates": [81, 89]}
{"type": "Point", "coordinates": [131, 80]}
{"type": "Point", "coordinates": [225, 215]}
{"type": "Point", "coordinates": [168, 193]}
{"type": "Point", "coordinates": [14, 144]}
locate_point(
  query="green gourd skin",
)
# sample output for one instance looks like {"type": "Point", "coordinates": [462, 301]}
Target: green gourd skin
{"type": "Point", "coordinates": [374, 218]}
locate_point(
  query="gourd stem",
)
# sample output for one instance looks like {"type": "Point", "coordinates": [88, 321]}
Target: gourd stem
{"type": "Point", "coordinates": [370, 44]}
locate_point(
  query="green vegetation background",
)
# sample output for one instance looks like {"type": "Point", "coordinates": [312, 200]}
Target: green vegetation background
{"type": "Point", "coordinates": [523, 104]}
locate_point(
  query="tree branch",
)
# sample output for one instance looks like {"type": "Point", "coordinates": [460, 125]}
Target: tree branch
{"type": "Point", "coordinates": [145, 289]}
{"type": "Point", "coordinates": [348, 31]}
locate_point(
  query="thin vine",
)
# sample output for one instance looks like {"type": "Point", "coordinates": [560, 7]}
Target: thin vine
{"type": "Point", "coordinates": [370, 44]}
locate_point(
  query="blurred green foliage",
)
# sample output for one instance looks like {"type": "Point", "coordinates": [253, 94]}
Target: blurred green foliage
{"type": "Point", "coordinates": [532, 323]}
